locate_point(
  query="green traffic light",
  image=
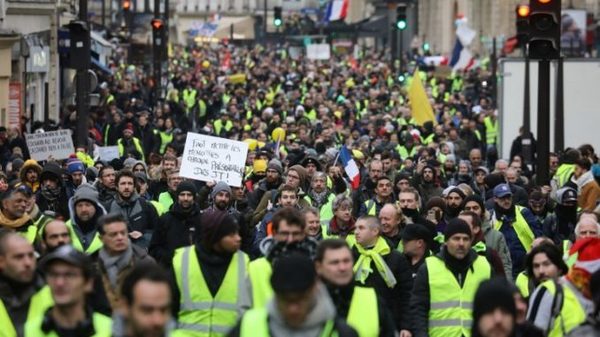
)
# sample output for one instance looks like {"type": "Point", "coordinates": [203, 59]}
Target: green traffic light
{"type": "Point", "coordinates": [401, 24]}
{"type": "Point", "coordinates": [401, 78]}
{"type": "Point", "coordinates": [277, 22]}
{"type": "Point", "coordinates": [426, 46]}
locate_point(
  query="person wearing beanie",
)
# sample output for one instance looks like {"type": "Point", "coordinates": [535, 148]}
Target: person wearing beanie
{"type": "Point", "coordinates": [518, 225]}
{"type": "Point", "coordinates": [300, 307]}
{"type": "Point", "coordinates": [53, 195]}
{"type": "Point", "coordinates": [84, 211]}
{"type": "Point", "coordinates": [478, 243]}
{"type": "Point", "coordinates": [76, 172]}
{"type": "Point", "coordinates": [130, 146]}
{"type": "Point", "coordinates": [271, 181]}
{"type": "Point", "coordinates": [29, 174]}
{"type": "Point", "coordinates": [213, 270]}
{"type": "Point", "coordinates": [494, 310]}
{"type": "Point", "coordinates": [445, 285]}
{"type": "Point", "coordinates": [178, 227]}
{"type": "Point", "coordinates": [572, 291]}
{"type": "Point", "coordinates": [454, 202]}
{"type": "Point", "coordinates": [492, 237]}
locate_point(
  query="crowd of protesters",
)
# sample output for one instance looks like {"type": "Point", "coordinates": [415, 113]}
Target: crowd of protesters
{"type": "Point", "coordinates": [441, 237]}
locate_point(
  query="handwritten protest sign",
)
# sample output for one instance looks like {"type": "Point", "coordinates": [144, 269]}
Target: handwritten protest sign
{"type": "Point", "coordinates": [57, 144]}
{"type": "Point", "coordinates": [108, 153]}
{"type": "Point", "coordinates": [209, 158]}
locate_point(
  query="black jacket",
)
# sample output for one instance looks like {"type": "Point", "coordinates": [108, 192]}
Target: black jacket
{"type": "Point", "coordinates": [175, 229]}
{"type": "Point", "coordinates": [420, 298]}
{"type": "Point", "coordinates": [397, 298]}
{"type": "Point", "coordinates": [342, 297]}
{"type": "Point", "coordinates": [140, 214]}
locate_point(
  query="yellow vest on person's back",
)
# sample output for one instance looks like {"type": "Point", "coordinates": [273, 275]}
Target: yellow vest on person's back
{"type": "Point", "coordinates": [39, 303]}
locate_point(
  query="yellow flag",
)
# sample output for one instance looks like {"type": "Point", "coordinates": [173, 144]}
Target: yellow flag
{"type": "Point", "coordinates": [419, 103]}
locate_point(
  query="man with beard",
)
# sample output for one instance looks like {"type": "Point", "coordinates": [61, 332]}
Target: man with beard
{"type": "Point", "coordinates": [445, 285]}
{"type": "Point", "coordinates": [518, 225]}
{"type": "Point", "coordinates": [140, 214]}
{"type": "Point", "coordinates": [367, 189]}
{"type": "Point", "coordinates": [426, 182]}
{"type": "Point", "coordinates": [392, 224]}
{"type": "Point", "coordinates": [320, 197]}
{"type": "Point", "coordinates": [383, 195]}
{"type": "Point", "coordinates": [54, 234]}
{"type": "Point", "coordinates": [22, 292]}
{"type": "Point", "coordinates": [359, 306]}
{"type": "Point", "coordinates": [454, 202]}
{"type": "Point", "coordinates": [544, 262]}
{"type": "Point", "coordinates": [53, 196]}
{"type": "Point", "coordinates": [270, 182]}
{"type": "Point", "coordinates": [85, 211]}
{"type": "Point", "coordinates": [13, 215]}
{"type": "Point", "coordinates": [105, 185]}
{"type": "Point", "coordinates": [478, 243]}
{"type": "Point", "coordinates": [179, 227]}
{"type": "Point", "coordinates": [147, 294]}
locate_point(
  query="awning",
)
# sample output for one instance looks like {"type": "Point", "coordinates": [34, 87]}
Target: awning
{"type": "Point", "coordinates": [101, 66]}
{"type": "Point", "coordinates": [243, 28]}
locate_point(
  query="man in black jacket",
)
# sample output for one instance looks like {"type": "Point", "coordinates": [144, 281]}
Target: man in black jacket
{"type": "Point", "coordinates": [334, 266]}
{"type": "Point", "coordinates": [53, 194]}
{"type": "Point", "coordinates": [383, 268]}
{"type": "Point", "coordinates": [179, 227]}
{"type": "Point", "coordinates": [431, 314]}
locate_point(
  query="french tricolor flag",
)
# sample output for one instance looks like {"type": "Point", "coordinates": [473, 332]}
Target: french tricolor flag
{"type": "Point", "coordinates": [350, 167]}
{"type": "Point", "coordinates": [461, 55]}
{"type": "Point", "coordinates": [337, 10]}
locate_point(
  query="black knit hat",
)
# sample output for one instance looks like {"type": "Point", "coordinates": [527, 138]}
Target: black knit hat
{"type": "Point", "coordinates": [186, 186]}
{"type": "Point", "coordinates": [456, 226]}
{"type": "Point", "coordinates": [491, 295]}
{"type": "Point", "coordinates": [477, 199]}
{"type": "Point", "coordinates": [217, 224]}
{"type": "Point", "coordinates": [295, 273]}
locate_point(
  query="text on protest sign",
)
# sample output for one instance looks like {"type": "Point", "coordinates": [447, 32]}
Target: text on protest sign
{"type": "Point", "coordinates": [108, 153]}
{"type": "Point", "coordinates": [209, 158]}
{"type": "Point", "coordinates": [56, 144]}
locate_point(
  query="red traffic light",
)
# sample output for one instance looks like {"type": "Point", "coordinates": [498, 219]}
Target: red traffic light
{"type": "Point", "coordinates": [126, 5]}
{"type": "Point", "coordinates": [523, 11]}
{"type": "Point", "coordinates": [156, 23]}
{"type": "Point", "coordinates": [544, 1]}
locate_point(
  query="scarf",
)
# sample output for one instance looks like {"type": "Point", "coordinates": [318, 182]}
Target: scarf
{"type": "Point", "coordinates": [362, 268]}
{"type": "Point", "coordinates": [13, 224]}
{"type": "Point", "coordinates": [114, 264]}
{"type": "Point", "coordinates": [318, 198]}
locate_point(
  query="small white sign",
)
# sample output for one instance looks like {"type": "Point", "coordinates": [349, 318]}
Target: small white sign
{"type": "Point", "coordinates": [318, 51]}
{"type": "Point", "coordinates": [108, 153]}
{"type": "Point", "coordinates": [216, 159]}
{"type": "Point", "coordinates": [56, 144]}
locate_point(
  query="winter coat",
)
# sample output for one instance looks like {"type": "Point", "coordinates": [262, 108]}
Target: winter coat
{"type": "Point", "coordinates": [589, 192]}
{"type": "Point", "coordinates": [140, 214]}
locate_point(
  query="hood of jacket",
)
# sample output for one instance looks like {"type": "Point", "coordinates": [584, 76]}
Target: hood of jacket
{"type": "Point", "coordinates": [73, 216]}
{"type": "Point", "coordinates": [322, 311]}
{"type": "Point", "coordinates": [29, 164]}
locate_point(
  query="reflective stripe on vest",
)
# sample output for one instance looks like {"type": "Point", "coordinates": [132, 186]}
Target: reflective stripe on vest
{"type": "Point", "coordinates": [199, 312]}
{"type": "Point", "coordinates": [363, 314]}
{"type": "Point", "coordinates": [521, 227]}
{"type": "Point", "coordinates": [260, 271]}
{"type": "Point", "coordinates": [491, 130]}
{"type": "Point", "coordinates": [571, 314]}
{"type": "Point", "coordinates": [255, 323]}
{"type": "Point", "coordinates": [102, 327]}
{"type": "Point", "coordinates": [136, 144]}
{"type": "Point", "coordinates": [39, 303]}
{"type": "Point", "coordinates": [450, 304]}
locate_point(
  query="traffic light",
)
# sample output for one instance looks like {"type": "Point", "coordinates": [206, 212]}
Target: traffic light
{"type": "Point", "coordinates": [79, 55]}
{"type": "Point", "coordinates": [522, 12]}
{"type": "Point", "coordinates": [401, 78]}
{"type": "Point", "coordinates": [126, 5]}
{"type": "Point", "coordinates": [157, 24]}
{"type": "Point", "coordinates": [278, 19]}
{"type": "Point", "coordinates": [426, 47]}
{"type": "Point", "coordinates": [401, 17]}
{"type": "Point", "coordinates": [544, 29]}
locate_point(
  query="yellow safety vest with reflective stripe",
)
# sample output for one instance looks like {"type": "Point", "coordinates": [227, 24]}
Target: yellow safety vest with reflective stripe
{"type": "Point", "coordinates": [522, 283]}
{"type": "Point", "coordinates": [218, 125]}
{"type": "Point", "coordinates": [563, 174]}
{"type": "Point", "coordinates": [200, 313]}
{"type": "Point", "coordinates": [260, 271]}
{"type": "Point", "coordinates": [166, 200]}
{"type": "Point", "coordinates": [255, 323]}
{"type": "Point", "coordinates": [427, 139]}
{"type": "Point", "coordinates": [102, 327]}
{"type": "Point", "coordinates": [30, 234]}
{"type": "Point", "coordinates": [521, 227]}
{"type": "Point", "coordinates": [571, 314]}
{"type": "Point", "coordinates": [404, 153]}
{"type": "Point", "coordinates": [450, 313]}
{"type": "Point", "coordinates": [363, 314]}
{"type": "Point", "coordinates": [94, 246]}
{"type": "Point", "coordinates": [165, 139]}
{"type": "Point", "coordinates": [39, 303]}
{"type": "Point", "coordinates": [160, 210]}
{"type": "Point", "coordinates": [491, 130]}
{"type": "Point", "coordinates": [326, 210]}
{"type": "Point", "coordinates": [136, 143]}
{"type": "Point", "coordinates": [371, 207]}
{"type": "Point", "coordinates": [189, 97]}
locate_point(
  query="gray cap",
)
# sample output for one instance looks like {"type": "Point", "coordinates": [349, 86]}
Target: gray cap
{"type": "Point", "coordinates": [85, 192]}
{"type": "Point", "coordinates": [220, 187]}
{"type": "Point", "coordinates": [70, 255]}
